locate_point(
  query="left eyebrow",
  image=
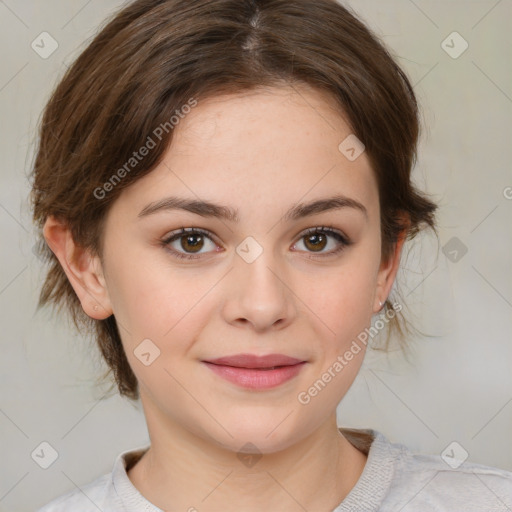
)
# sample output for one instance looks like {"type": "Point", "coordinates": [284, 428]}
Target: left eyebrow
{"type": "Point", "coordinates": [322, 205]}
{"type": "Point", "coordinates": [209, 209]}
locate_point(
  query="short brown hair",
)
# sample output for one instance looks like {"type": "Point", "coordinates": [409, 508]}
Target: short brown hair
{"type": "Point", "coordinates": [152, 57]}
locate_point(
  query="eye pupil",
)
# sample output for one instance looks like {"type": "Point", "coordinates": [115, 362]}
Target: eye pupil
{"type": "Point", "coordinates": [316, 236]}
{"type": "Point", "coordinates": [189, 241]}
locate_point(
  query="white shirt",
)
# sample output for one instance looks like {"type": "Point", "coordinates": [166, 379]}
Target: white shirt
{"type": "Point", "coordinates": [394, 479]}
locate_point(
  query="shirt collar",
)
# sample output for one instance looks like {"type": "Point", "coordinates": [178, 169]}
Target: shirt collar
{"type": "Point", "coordinates": [366, 496]}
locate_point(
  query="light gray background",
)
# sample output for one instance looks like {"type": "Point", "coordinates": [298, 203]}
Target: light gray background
{"type": "Point", "coordinates": [458, 384]}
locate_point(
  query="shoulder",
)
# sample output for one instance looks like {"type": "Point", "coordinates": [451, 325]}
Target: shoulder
{"type": "Point", "coordinates": [90, 498]}
{"type": "Point", "coordinates": [431, 482]}
{"type": "Point", "coordinates": [107, 492]}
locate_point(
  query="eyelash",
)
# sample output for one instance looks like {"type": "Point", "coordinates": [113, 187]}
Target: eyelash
{"type": "Point", "coordinates": [325, 230]}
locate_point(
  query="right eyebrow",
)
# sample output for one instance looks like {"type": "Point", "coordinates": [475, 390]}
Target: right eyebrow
{"type": "Point", "coordinates": [209, 209]}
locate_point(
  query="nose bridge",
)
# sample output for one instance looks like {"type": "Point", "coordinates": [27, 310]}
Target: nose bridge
{"type": "Point", "coordinates": [260, 294]}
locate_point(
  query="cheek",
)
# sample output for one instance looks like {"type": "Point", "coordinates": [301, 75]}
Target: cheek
{"type": "Point", "coordinates": [341, 300]}
{"type": "Point", "coordinates": [163, 321]}
{"type": "Point", "coordinates": [149, 297]}
{"type": "Point", "coordinates": [164, 313]}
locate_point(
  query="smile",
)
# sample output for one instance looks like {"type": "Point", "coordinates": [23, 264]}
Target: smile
{"type": "Point", "coordinates": [256, 372]}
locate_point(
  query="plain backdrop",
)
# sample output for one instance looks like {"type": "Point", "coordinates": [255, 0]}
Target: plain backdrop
{"type": "Point", "coordinates": [456, 385]}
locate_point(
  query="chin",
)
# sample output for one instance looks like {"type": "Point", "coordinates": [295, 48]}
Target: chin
{"type": "Point", "coordinates": [257, 434]}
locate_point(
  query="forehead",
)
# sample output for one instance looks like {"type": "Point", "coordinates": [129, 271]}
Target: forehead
{"type": "Point", "coordinates": [289, 113]}
{"type": "Point", "coordinates": [259, 147]}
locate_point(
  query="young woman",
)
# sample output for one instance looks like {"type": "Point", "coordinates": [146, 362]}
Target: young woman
{"type": "Point", "coordinates": [224, 187]}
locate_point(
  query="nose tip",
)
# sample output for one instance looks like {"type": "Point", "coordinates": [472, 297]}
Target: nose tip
{"type": "Point", "coordinates": [260, 297]}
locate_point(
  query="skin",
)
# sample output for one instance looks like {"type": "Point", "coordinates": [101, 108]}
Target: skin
{"type": "Point", "coordinates": [261, 153]}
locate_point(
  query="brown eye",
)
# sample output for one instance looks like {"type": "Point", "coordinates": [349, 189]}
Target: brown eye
{"type": "Point", "coordinates": [187, 243]}
{"type": "Point", "coordinates": [316, 241]}
{"type": "Point", "coordinates": [192, 243]}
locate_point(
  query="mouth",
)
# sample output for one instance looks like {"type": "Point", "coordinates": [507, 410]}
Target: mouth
{"type": "Point", "coordinates": [256, 372]}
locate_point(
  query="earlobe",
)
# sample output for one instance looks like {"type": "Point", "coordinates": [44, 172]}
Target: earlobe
{"type": "Point", "coordinates": [388, 270]}
{"type": "Point", "coordinates": [82, 269]}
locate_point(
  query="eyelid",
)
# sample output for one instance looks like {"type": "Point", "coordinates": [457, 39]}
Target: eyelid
{"type": "Point", "coordinates": [342, 239]}
{"type": "Point", "coordinates": [343, 242]}
{"type": "Point", "coordinates": [185, 231]}
{"type": "Point", "coordinates": [179, 233]}
{"type": "Point", "coordinates": [328, 229]}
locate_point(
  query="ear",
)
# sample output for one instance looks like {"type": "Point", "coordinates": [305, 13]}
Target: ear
{"type": "Point", "coordinates": [388, 269]}
{"type": "Point", "coordinates": [83, 270]}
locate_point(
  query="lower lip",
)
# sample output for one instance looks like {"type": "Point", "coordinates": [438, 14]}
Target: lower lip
{"type": "Point", "coordinates": [256, 379]}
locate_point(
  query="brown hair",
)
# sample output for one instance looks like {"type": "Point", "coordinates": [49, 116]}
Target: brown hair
{"type": "Point", "coordinates": [152, 57]}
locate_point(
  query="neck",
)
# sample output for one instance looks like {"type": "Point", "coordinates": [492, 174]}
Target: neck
{"type": "Point", "coordinates": [182, 471]}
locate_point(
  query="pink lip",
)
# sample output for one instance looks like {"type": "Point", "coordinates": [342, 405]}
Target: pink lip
{"type": "Point", "coordinates": [256, 372]}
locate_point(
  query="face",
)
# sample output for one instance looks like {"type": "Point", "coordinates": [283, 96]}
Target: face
{"type": "Point", "coordinates": [276, 278]}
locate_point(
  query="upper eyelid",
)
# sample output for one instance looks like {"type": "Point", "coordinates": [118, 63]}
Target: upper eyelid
{"type": "Point", "coordinates": [177, 234]}
{"type": "Point", "coordinates": [325, 229]}
{"type": "Point", "coordinates": [184, 231]}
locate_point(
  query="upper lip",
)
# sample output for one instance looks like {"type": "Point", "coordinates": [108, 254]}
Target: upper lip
{"type": "Point", "coordinates": [254, 361]}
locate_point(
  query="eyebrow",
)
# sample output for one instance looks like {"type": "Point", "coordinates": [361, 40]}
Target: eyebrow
{"type": "Point", "coordinates": [209, 209]}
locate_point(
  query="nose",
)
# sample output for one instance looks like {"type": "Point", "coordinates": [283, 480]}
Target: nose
{"type": "Point", "coordinates": [259, 294]}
